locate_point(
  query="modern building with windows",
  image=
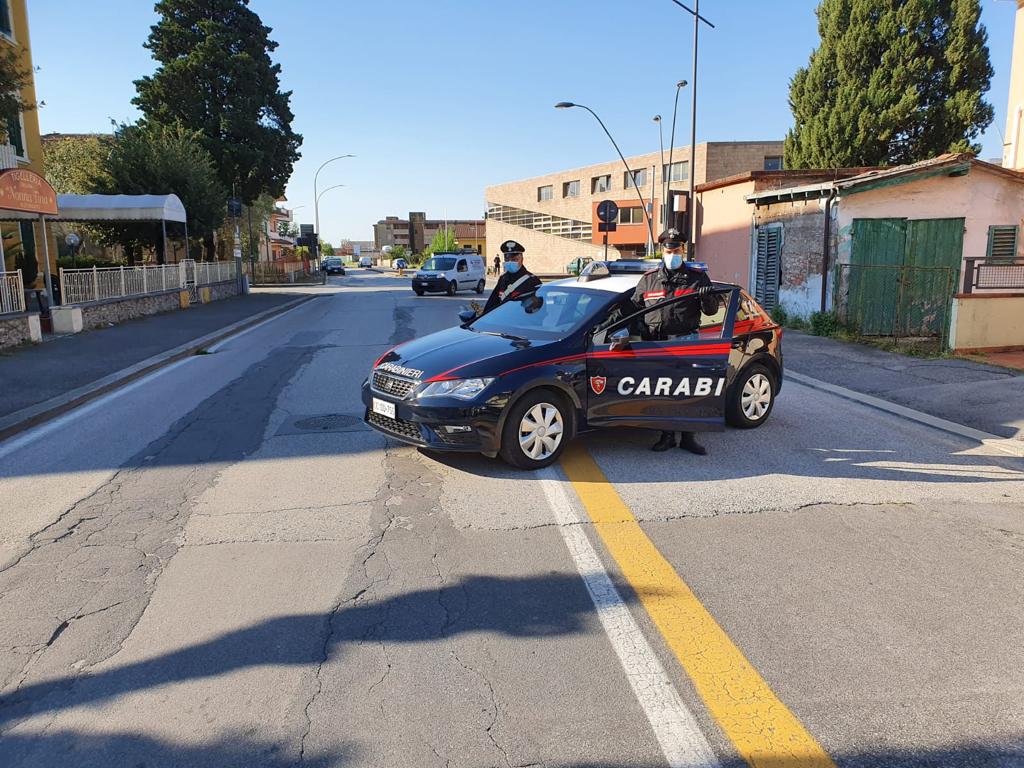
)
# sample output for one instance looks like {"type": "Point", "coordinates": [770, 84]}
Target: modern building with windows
{"type": "Point", "coordinates": [416, 232]}
{"type": "Point", "coordinates": [555, 216]}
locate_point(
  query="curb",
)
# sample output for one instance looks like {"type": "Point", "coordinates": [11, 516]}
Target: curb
{"type": "Point", "coordinates": [37, 414]}
{"type": "Point", "coordinates": [1005, 444]}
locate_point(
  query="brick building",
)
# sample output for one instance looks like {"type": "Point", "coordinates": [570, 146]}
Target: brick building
{"type": "Point", "coordinates": [554, 216]}
{"type": "Point", "coordinates": [416, 232]}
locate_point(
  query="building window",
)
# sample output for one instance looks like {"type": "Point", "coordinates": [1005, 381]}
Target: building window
{"type": "Point", "coordinates": [571, 189]}
{"type": "Point", "coordinates": [773, 162]}
{"type": "Point", "coordinates": [680, 171]}
{"type": "Point", "coordinates": [639, 176]}
{"type": "Point", "coordinates": [545, 193]}
{"type": "Point", "coordinates": [1002, 243]}
{"type": "Point", "coordinates": [632, 216]}
{"type": "Point", "coordinates": [16, 136]}
{"type": "Point", "coordinates": [6, 27]}
{"type": "Point", "coordinates": [600, 184]}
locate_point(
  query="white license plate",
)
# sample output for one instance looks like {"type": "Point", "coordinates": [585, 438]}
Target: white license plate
{"type": "Point", "coordinates": [384, 408]}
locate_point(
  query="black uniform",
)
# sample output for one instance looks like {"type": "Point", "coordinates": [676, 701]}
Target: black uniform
{"type": "Point", "coordinates": [680, 318]}
{"type": "Point", "coordinates": [525, 282]}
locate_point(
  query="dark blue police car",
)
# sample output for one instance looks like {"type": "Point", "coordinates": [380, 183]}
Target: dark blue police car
{"type": "Point", "coordinates": [523, 379]}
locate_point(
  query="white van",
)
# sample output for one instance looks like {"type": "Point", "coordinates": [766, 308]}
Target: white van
{"type": "Point", "coordinates": [449, 273]}
{"type": "Point", "coordinates": [365, 261]}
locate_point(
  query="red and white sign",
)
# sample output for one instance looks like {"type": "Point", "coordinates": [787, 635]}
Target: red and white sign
{"type": "Point", "coordinates": [598, 383]}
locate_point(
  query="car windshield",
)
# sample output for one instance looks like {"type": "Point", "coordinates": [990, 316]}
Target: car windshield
{"type": "Point", "coordinates": [438, 264]}
{"type": "Point", "coordinates": [551, 313]}
{"type": "Point", "coordinates": [332, 260]}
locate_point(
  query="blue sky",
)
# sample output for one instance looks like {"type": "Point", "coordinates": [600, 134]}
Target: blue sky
{"type": "Point", "coordinates": [440, 99]}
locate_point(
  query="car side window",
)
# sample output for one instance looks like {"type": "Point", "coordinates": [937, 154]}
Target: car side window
{"type": "Point", "coordinates": [684, 319]}
{"type": "Point", "coordinates": [462, 266]}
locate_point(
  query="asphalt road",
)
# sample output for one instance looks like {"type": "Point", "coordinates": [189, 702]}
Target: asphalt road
{"type": "Point", "coordinates": [220, 566]}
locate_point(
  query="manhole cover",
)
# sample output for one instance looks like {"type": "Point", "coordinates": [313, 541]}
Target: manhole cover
{"type": "Point", "coordinates": [328, 422]}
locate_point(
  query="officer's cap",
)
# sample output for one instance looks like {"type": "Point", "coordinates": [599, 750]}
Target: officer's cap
{"type": "Point", "coordinates": [671, 238]}
{"type": "Point", "coordinates": [512, 248]}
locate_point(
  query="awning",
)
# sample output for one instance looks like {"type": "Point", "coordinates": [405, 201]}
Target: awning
{"type": "Point", "coordinates": [99, 208]}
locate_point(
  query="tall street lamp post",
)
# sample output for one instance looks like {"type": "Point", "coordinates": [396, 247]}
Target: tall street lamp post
{"type": "Point", "coordinates": [316, 196]}
{"type": "Point", "coordinates": [639, 194]}
{"type": "Point", "coordinates": [661, 141]}
{"type": "Point", "coordinates": [692, 213]}
{"type": "Point", "coordinates": [316, 203]}
{"type": "Point", "coordinates": [666, 178]}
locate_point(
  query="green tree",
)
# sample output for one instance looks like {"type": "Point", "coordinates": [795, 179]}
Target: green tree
{"type": "Point", "coordinates": [71, 164]}
{"type": "Point", "coordinates": [892, 81]}
{"type": "Point", "coordinates": [159, 160]}
{"type": "Point", "coordinates": [443, 241]}
{"type": "Point", "coordinates": [326, 249]}
{"type": "Point", "coordinates": [215, 75]}
{"type": "Point", "coordinates": [14, 78]}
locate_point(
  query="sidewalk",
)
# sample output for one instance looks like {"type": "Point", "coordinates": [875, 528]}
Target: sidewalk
{"type": "Point", "coordinates": [32, 376]}
{"type": "Point", "coordinates": [981, 396]}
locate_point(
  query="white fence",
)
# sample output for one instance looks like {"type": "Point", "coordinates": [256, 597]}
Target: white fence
{"type": "Point", "coordinates": [81, 285]}
{"type": "Point", "coordinates": [12, 292]}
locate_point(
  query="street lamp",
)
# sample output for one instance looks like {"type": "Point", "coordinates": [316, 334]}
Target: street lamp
{"type": "Point", "coordinates": [666, 180]}
{"type": "Point", "coordinates": [316, 196]}
{"type": "Point", "coordinates": [639, 194]}
{"type": "Point", "coordinates": [661, 141]}
{"type": "Point", "coordinates": [324, 192]}
{"type": "Point", "coordinates": [692, 212]}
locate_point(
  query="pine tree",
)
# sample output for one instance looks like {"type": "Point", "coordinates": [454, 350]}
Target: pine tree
{"type": "Point", "coordinates": [215, 76]}
{"type": "Point", "coordinates": [893, 81]}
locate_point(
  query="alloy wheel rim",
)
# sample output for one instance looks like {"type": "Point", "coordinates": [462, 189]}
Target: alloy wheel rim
{"type": "Point", "coordinates": [541, 431]}
{"type": "Point", "coordinates": [756, 397]}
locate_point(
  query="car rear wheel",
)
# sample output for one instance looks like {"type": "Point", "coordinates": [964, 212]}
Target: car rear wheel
{"type": "Point", "coordinates": [751, 398]}
{"type": "Point", "coordinates": [480, 286]}
{"type": "Point", "coordinates": [452, 288]}
{"type": "Point", "coordinates": [536, 431]}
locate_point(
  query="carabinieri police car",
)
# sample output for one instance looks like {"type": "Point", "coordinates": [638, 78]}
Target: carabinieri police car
{"type": "Point", "coordinates": [522, 380]}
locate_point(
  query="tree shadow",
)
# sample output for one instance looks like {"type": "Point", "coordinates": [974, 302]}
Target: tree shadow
{"type": "Point", "coordinates": [536, 606]}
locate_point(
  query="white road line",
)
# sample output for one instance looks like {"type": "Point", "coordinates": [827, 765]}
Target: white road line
{"type": "Point", "coordinates": [16, 443]}
{"type": "Point", "coordinates": [674, 726]}
{"type": "Point", "coordinates": [252, 328]}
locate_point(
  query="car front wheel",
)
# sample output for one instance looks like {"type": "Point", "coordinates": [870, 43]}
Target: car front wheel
{"type": "Point", "coordinates": [751, 398]}
{"type": "Point", "coordinates": [452, 288]}
{"type": "Point", "coordinates": [536, 431]}
{"type": "Point", "coordinates": [480, 286]}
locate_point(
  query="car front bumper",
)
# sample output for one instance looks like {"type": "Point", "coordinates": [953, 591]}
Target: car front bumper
{"type": "Point", "coordinates": [433, 284]}
{"type": "Point", "coordinates": [445, 425]}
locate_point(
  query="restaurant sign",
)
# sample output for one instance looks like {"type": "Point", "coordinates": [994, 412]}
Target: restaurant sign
{"type": "Point", "coordinates": [26, 191]}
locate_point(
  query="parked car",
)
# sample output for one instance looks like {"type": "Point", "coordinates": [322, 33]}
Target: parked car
{"type": "Point", "coordinates": [576, 266]}
{"type": "Point", "coordinates": [365, 261]}
{"type": "Point", "coordinates": [333, 265]}
{"type": "Point", "coordinates": [524, 378]}
{"type": "Point", "coordinates": [401, 264]}
{"type": "Point", "coordinates": [449, 273]}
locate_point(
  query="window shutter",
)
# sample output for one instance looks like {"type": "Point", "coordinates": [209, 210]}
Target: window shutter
{"type": "Point", "coordinates": [1002, 243]}
{"type": "Point", "coordinates": [766, 288]}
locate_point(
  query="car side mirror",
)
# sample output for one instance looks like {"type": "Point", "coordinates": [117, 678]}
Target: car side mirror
{"type": "Point", "coordinates": [619, 339]}
{"type": "Point", "coordinates": [467, 316]}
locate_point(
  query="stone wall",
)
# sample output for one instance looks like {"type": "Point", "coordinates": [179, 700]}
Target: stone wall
{"type": "Point", "coordinates": [223, 290]}
{"type": "Point", "coordinates": [803, 230]}
{"type": "Point", "coordinates": [99, 314]}
{"type": "Point", "coordinates": [14, 330]}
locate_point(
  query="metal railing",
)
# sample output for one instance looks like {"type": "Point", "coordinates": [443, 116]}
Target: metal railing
{"type": "Point", "coordinates": [993, 274]}
{"type": "Point", "coordinates": [12, 292]}
{"type": "Point", "coordinates": [208, 272]}
{"type": "Point", "coordinates": [98, 283]}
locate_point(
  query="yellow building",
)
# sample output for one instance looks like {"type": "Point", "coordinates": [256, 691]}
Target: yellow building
{"type": "Point", "coordinates": [22, 147]}
{"type": "Point", "coordinates": [1013, 146]}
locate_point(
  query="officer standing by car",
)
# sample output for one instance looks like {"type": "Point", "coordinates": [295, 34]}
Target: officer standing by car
{"type": "Point", "coordinates": [674, 278]}
{"type": "Point", "coordinates": [516, 281]}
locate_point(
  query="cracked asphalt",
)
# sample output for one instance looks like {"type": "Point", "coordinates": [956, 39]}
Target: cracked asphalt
{"type": "Point", "coordinates": [219, 566]}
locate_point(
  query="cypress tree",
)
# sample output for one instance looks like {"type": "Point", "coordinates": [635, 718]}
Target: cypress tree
{"type": "Point", "coordinates": [892, 81]}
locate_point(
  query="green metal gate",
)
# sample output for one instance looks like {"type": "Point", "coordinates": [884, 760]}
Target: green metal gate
{"type": "Point", "coordinates": [902, 274]}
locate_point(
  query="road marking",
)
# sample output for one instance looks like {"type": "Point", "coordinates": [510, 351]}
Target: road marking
{"type": "Point", "coordinates": [1004, 444]}
{"type": "Point", "coordinates": [674, 726]}
{"type": "Point", "coordinates": [16, 443]}
{"type": "Point", "coordinates": [763, 730]}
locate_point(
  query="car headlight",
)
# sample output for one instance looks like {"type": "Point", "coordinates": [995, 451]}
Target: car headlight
{"type": "Point", "coordinates": [464, 389]}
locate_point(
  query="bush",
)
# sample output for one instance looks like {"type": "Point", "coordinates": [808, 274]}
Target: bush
{"type": "Point", "coordinates": [824, 324]}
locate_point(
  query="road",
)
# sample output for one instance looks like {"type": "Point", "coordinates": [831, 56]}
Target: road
{"type": "Point", "coordinates": [218, 565]}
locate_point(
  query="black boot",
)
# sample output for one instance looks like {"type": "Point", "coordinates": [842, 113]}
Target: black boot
{"type": "Point", "coordinates": [689, 443]}
{"type": "Point", "coordinates": [666, 441]}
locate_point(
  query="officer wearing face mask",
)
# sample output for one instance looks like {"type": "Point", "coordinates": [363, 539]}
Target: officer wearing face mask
{"type": "Point", "coordinates": [516, 281]}
{"type": "Point", "coordinates": [674, 278]}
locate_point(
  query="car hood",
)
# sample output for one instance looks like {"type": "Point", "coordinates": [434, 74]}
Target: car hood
{"type": "Point", "coordinates": [457, 353]}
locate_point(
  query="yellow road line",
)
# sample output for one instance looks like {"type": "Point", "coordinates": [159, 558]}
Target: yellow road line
{"type": "Point", "coordinates": [761, 727]}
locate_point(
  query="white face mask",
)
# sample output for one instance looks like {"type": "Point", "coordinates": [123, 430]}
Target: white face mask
{"type": "Point", "coordinates": [672, 260]}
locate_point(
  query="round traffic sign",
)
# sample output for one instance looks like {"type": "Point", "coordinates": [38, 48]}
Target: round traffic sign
{"type": "Point", "coordinates": [607, 211]}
